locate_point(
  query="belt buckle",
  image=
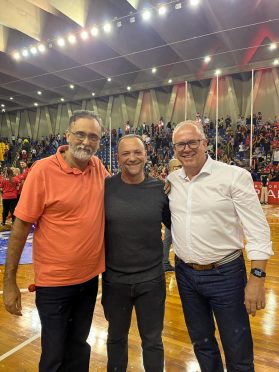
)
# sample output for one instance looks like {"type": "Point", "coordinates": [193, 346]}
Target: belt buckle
{"type": "Point", "coordinates": [199, 267]}
{"type": "Point", "coordinates": [196, 266]}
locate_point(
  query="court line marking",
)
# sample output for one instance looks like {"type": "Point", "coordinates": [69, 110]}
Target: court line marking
{"type": "Point", "coordinates": [22, 290]}
{"type": "Point", "coordinates": [20, 346]}
{"type": "Point", "coordinates": [28, 341]}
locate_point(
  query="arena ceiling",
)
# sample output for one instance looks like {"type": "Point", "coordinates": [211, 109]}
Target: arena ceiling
{"type": "Point", "coordinates": [236, 34]}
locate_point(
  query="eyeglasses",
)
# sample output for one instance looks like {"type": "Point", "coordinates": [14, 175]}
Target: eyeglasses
{"type": "Point", "coordinates": [81, 136]}
{"type": "Point", "coordinates": [192, 144]}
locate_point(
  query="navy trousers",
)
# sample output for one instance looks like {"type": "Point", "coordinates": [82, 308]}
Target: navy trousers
{"type": "Point", "coordinates": [218, 292]}
{"type": "Point", "coordinates": [66, 315]}
{"type": "Point", "coordinates": [149, 300]}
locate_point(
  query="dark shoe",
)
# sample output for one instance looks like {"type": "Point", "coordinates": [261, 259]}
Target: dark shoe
{"type": "Point", "coordinates": [168, 268]}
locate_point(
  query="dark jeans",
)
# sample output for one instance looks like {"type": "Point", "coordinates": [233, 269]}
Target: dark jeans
{"type": "Point", "coordinates": [220, 292]}
{"type": "Point", "coordinates": [66, 316]}
{"type": "Point", "coordinates": [8, 206]}
{"type": "Point", "coordinates": [149, 301]}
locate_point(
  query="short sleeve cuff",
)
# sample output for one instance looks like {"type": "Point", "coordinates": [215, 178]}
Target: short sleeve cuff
{"type": "Point", "coordinates": [24, 217]}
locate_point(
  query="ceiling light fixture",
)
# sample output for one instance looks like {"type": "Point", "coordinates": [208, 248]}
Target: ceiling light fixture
{"type": "Point", "coordinates": [94, 31]}
{"type": "Point", "coordinates": [62, 99]}
{"type": "Point", "coordinates": [128, 88]}
{"type": "Point", "coordinates": [16, 56]}
{"type": "Point", "coordinates": [154, 70]}
{"type": "Point", "coordinates": [178, 6]}
{"type": "Point", "coordinates": [41, 48]}
{"type": "Point", "coordinates": [217, 72]}
{"type": "Point", "coordinates": [119, 24]}
{"type": "Point", "coordinates": [33, 50]}
{"type": "Point", "coordinates": [72, 39]}
{"type": "Point", "coordinates": [272, 46]}
{"type": "Point", "coordinates": [36, 104]}
{"type": "Point", "coordinates": [132, 20]}
{"type": "Point", "coordinates": [109, 79]}
{"type": "Point", "coordinates": [2, 105]}
{"type": "Point", "coordinates": [39, 92]}
{"type": "Point", "coordinates": [276, 62]}
{"type": "Point", "coordinates": [93, 94]}
{"type": "Point", "coordinates": [170, 81]}
{"type": "Point", "coordinates": [207, 59]}
{"type": "Point", "coordinates": [162, 10]}
{"type": "Point", "coordinates": [11, 98]}
{"type": "Point", "coordinates": [84, 35]}
{"type": "Point", "coordinates": [61, 42]}
{"type": "Point", "coordinates": [107, 27]}
{"type": "Point", "coordinates": [194, 2]}
{"type": "Point", "coordinates": [25, 53]}
{"type": "Point", "coordinates": [146, 15]}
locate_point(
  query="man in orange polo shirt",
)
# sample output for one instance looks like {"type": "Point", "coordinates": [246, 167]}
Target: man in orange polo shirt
{"type": "Point", "coordinates": [64, 195]}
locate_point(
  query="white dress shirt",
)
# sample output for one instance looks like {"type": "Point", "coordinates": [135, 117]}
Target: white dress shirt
{"type": "Point", "coordinates": [213, 211]}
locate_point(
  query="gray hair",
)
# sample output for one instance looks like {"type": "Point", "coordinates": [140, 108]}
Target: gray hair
{"type": "Point", "coordinates": [187, 123]}
{"type": "Point", "coordinates": [84, 114]}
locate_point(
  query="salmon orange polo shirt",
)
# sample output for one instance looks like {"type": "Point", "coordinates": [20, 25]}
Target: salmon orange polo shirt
{"type": "Point", "coordinates": [67, 205]}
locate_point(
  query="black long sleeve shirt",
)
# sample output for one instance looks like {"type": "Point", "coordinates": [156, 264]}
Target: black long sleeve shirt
{"type": "Point", "coordinates": [134, 214]}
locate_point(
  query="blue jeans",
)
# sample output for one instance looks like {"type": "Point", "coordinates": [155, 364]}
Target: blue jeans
{"type": "Point", "coordinates": [66, 316]}
{"type": "Point", "coordinates": [218, 292]}
{"type": "Point", "coordinates": [118, 301]}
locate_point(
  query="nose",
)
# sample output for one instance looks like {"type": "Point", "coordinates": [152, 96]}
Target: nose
{"type": "Point", "coordinates": [86, 140]}
{"type": "Point", "coordinates": [187, 148]}
{"type": "Point", "coordinates": [132, 156]}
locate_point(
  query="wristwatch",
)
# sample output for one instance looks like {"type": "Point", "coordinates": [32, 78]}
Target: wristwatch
{"type": "Point", "coordinates": [259, 273]}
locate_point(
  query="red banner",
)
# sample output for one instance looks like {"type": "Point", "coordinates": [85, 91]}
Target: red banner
{"type": "Point", "coordinates": [273, 191]}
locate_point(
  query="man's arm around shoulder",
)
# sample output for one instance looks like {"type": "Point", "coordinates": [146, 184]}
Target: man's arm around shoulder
{"type": "Point", "coordinates": [11, 292]}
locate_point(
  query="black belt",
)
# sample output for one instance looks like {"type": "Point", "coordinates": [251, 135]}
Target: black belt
{"type": "Point", "coordinates": [229, 258]}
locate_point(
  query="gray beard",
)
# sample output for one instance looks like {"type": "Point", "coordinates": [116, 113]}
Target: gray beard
{"type": "Point", "coordinates": [80, 154]}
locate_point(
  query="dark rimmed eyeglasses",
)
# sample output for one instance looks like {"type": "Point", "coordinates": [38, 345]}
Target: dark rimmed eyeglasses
{"type": "Point", "coordinates": [192, 144]}
{"type": "Point", "coordinates": [81, 136]}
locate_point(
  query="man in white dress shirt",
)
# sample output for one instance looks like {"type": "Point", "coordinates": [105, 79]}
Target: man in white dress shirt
{"type": "Point", "coordinates": [213, 206]}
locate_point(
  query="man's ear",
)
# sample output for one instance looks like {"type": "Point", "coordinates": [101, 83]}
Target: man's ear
{"type": "Point", "coordinates": [67, 136]}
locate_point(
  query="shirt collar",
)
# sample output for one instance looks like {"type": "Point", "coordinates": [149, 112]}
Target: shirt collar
{"type": "Point", "coordinates": [66, 167]}
{"type": "Point", "coordinates": [206, 169]}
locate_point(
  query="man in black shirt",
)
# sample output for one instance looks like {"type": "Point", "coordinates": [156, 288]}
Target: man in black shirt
{"type": "Point", "coordinates": [135, 208]}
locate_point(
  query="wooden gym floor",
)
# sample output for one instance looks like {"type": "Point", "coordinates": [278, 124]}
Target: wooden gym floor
{"type": "Point", "coordinates": [20, 336]}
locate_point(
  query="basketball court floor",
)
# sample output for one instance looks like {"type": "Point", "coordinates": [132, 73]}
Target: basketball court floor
{"type": "Point", "coordinates": [20, 336]}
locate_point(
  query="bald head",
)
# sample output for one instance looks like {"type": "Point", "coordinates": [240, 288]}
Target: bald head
{"type": "Point", "coordinates": [131, 156]}
{"type": "Point", "coordinates": [131, 137]}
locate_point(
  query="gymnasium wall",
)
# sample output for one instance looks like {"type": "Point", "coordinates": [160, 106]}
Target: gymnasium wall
{"type": "Point", "coordinates": [148, 105]}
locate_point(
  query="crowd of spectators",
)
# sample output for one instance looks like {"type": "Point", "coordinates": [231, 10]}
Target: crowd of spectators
{"type": "Point", "coordinates": [233, 145]}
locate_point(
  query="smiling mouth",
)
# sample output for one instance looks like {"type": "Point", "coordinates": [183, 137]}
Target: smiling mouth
{"type": "Point", "coordinates": [188, 156]}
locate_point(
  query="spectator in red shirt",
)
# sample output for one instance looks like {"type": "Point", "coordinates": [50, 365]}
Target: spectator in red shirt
{"type": "Point", "coordinates": [9, 186]}
{"type": "Point", "coordinates": [24, 170]}
{"type": "Point", "coordinates": [20, 180]}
